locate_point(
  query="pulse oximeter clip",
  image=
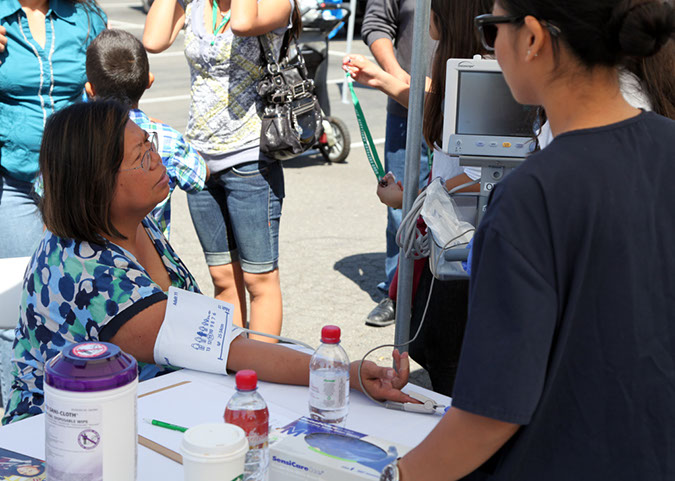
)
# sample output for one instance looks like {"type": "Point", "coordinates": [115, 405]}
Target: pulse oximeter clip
{"type": "Point", "coordinates": [428, 406]}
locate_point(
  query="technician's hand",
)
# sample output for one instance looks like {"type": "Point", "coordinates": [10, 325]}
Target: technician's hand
{"type": "Point", "coordinates": [383, 383]}
{"type": "Point", "coordinates": [3, 39]}
{"type": "Point", "coordinates": [363, 70]}
{"type": "Point", "coordinates": [390, 192]}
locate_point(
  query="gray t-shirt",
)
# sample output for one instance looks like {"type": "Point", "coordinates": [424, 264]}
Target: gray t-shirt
{"type": "Point", "coordinates": [393, 19]}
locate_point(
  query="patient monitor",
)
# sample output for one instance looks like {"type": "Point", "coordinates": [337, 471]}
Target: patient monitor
{"type": "Point", "coordinates": [481, 117]}
{"type": "Point", "coordinates": [483, 124]}
{"type": "Point", "coordinates": [485, 127]}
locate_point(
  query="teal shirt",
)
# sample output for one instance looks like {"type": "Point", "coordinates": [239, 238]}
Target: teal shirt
{"type": "Point", "coordinates": [35, 81]}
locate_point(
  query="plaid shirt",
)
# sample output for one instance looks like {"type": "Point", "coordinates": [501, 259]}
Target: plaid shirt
{"type": "Point", "coordinates": [184, 166]}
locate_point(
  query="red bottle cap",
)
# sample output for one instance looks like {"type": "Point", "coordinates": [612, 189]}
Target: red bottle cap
{"type": "Point", "coordinates": [246, 380]}
{"type": "Point", "coordinates": [330, 334]}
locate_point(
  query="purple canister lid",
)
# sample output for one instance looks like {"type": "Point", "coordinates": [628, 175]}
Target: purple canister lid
{"type": "Point", "coordinates": [91, 366]}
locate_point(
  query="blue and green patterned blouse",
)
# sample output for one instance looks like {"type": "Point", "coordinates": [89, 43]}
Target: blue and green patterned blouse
{"type": "Point", "coordinates": [77, 291]}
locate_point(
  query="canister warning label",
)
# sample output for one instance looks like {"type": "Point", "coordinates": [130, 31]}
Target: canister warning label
{"type": "Point", "coordinates": [74, 448]}
{"type": "Point", "coordinates": [90, 350]}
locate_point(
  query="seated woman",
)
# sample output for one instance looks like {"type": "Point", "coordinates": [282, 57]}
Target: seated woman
{"type": "Point", "coordinates": [103, 268]}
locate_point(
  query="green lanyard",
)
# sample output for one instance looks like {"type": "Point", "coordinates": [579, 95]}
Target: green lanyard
{"type": "Point", "coordinates": [223, 22]}
{"type": "Point", "coordinates": [368, 144]}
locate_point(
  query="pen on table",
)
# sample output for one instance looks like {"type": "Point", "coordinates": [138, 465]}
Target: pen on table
{"type": "Point", "coordinates": [162, 424]}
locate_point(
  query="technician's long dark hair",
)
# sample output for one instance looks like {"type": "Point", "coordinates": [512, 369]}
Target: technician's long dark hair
{"type": "Point", "coordinates": [458, 39]}
{"type": "Point", "coordinates": [657, 77]}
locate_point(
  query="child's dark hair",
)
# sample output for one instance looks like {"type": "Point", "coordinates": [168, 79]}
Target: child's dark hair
{"type": "Point", "coordinates": [603, 32]}
{"type": "Point", "coordinates": [117, 66]}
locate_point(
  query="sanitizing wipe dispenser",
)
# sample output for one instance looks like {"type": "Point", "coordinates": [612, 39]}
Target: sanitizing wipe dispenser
{"type": "Point", "coordinates": [90, 408]}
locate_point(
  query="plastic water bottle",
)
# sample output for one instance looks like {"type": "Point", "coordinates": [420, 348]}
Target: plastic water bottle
{"type": "Point", "coordinates": [329, 379]}
{"type": "Point", "coordinates": [247, 409]}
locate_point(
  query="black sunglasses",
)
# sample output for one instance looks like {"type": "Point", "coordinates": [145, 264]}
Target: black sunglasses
{"type": "Point", "coordinates": [487, 26]}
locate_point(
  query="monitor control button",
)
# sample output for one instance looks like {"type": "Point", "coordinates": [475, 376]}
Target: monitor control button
{"type": "Point", "coordinates": [506, 144]}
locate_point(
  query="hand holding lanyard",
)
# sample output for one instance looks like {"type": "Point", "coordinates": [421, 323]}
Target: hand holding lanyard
{"type": "Point", "coordinates": [366, 137]}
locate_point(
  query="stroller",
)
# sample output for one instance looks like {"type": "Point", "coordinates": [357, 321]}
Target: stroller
{"type": "Point", "coordinates": [321, 20]}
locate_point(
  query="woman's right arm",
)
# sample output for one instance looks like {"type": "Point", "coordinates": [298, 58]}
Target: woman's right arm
{"type": "Point", "coordinates": [139, 334]}
{"type": "Point", "coordinates": [165, 19]}
{"type": "Point", "coordinates": [370, 74]}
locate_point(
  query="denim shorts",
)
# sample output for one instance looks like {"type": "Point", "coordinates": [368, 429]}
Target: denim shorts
{"type": "Point", "coordinates": [237, 216]}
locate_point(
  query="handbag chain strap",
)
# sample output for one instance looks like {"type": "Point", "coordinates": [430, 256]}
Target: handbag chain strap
{"type": "Point", "coordinates": [274, 66]}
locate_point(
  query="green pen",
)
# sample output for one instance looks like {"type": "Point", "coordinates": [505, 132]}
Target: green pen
{"type": "Point", "coordinates": [162, 424]}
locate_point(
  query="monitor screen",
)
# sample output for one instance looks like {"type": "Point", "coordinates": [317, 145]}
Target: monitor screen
{"type": "Point", "coordinates": [485, 106]}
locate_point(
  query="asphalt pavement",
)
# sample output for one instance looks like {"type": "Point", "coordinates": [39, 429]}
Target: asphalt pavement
{"type": "Point", "coordinates": [332, 235]}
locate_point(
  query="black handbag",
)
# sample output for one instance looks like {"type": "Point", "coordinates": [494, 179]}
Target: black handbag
{"type": "Point", "coordinates": [292, 117]}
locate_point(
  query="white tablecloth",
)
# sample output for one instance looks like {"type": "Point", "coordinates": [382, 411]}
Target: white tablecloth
{"type": "Point", "coordinates": [204, 398]}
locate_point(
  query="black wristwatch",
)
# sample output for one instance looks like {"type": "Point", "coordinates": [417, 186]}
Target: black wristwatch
{"type": "Point", "coordinates": [390, 472]}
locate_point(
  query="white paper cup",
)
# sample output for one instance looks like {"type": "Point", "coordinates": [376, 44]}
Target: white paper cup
{"type": "Point", "coordinates": [214, 452]}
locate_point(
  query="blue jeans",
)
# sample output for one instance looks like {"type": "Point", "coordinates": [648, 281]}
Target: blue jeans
{"type": "Point", "coordinates": [237, 216]}
{"type": "Point", "coordinates": [20, 220]}
{"type": "Point", "coordinates": [394, 161]}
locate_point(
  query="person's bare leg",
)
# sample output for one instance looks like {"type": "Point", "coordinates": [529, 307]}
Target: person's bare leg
{"type": "Point", "coordinates": [228, 283]}
{"type": "Point", "coordinates": [266, 307]}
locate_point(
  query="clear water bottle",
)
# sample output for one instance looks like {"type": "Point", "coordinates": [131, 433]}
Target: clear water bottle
{"type": "Point", "coordinates": [247, 409]}
{"type": "Point", "coordinates": [329, 379]}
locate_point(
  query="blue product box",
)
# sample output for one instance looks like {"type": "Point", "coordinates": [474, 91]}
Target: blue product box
{"type": "Point", "coordinates": [308, 449]}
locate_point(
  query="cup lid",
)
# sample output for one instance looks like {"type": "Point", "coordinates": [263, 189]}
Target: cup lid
{"type": "Point", "coordinates": [91, 366]}
{"type": "Point", "coordinates": [215, 439]}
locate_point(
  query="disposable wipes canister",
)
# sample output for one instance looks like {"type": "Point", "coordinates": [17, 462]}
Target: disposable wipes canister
{"type": "Point", "coordinates": [90, 408]}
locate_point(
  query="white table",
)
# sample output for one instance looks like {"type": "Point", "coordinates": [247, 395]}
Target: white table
{"type": "Point", "coordinates": [27, 436]}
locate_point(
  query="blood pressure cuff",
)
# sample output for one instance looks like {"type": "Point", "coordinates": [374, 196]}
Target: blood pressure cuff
{"type": "Point", "coordinates": [196, 332]}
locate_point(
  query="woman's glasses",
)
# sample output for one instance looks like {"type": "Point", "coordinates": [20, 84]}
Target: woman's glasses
{"type": "Point", "coordinates": [487, 26]}
{"type": "Point", "coordinates": [145, 160]}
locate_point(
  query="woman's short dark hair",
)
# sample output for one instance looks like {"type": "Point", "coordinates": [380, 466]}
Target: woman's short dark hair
{"type": "Point", "coordinates": [81, 152]}
{"type": "Point", "coordinates": [603, 32]}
